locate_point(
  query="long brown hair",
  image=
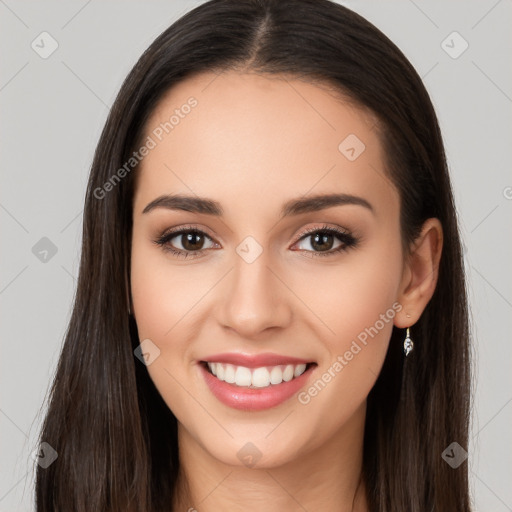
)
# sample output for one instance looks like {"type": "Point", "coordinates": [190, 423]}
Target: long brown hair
{"type": "Point", "coordinates": [116, 439]}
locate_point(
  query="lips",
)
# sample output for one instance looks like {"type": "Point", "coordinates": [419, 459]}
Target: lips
{"type": "Point", "coordinates": [253, 398]}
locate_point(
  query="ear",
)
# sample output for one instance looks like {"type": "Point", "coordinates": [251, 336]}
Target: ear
{"type": "Point", "coordinates": [421, 271]}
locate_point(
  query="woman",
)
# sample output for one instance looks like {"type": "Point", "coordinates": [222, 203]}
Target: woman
{"type": "Point", "coordinates": [271, 309]}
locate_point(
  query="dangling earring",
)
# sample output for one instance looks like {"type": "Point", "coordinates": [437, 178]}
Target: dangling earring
{"type": "Point", "coordinates": [408, 344]}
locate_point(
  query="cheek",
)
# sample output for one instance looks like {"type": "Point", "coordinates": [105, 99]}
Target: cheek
{"type": "Point", "coordinates": [151, 293]}
{"type": "Point", "coordinates": [163, 302]}
{"type": "Point", "coordinates": [162, 293]}
{"type": "Point", "coordinates": [167, 304]}
{"type": "Point", "coordinates": [369, 293]}
{"type": "Point", "coordinates": [356, 302]}
{"type": "Point", "coordinates": [359, 307]}
{"type": "Point", "coordinates": [351, 297]}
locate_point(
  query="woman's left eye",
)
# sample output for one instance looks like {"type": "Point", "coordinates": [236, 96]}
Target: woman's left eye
{"type": "Point", "coordinates": [324, 239]}
{"type": "Point", "coordinates": [321, 241]}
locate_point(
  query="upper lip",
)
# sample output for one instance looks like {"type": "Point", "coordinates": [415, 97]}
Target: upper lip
{"type": "Point", "coordinates": [254, 360]}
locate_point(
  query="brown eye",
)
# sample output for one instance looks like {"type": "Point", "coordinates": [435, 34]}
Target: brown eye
{"type": "Point", "coordinates": [192, 241]}
{"type": "Point", "coordinates": [185, 242]}
{"type": "Point", "coordinates": [322, 241]}
{"type": "Point", "coordinates": [325, 241]}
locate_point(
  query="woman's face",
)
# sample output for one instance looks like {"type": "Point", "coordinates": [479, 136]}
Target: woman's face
{"type": "Point", "coordinates": [257, 283]}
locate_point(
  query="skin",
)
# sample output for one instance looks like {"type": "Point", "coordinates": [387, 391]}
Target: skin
{"type": "Point", "coordinates": [252, 143]}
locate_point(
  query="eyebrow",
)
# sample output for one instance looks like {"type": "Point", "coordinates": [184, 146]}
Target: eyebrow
{"type": "Point", "coordinates": [292, 207]}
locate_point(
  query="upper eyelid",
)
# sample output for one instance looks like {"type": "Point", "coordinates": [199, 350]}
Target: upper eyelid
{"type": "Point", "coordinates": [185, 229]}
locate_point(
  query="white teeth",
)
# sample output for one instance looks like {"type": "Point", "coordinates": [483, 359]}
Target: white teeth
{"type": "Point", "coordinates": [260, 378]}
{"type": "Point", "coordinates": [242, 376]}
{"type": "Point", "coordinates": [276, 375]}
{"type": "Point", "coordinates": [299, 370]}
{"type": "Point", "coordinates": [229, 374]}
{"type": "Point", "coordinates": [288, 373]}
{"type": "Point", "coordinates": [256, 377]}
{"type": "Point", "coordinates": [220, 372]}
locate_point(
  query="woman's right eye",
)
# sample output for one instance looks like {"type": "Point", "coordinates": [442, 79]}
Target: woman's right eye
{"type": "Point", "coordinates": [191, 242]}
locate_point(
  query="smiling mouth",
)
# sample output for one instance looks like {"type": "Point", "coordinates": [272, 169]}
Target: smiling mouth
{"type": "Point", "coordinates": [256, 378]}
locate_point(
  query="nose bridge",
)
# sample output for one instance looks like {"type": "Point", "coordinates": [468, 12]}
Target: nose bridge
{"type": "Point", "coordinates": [254, 298]}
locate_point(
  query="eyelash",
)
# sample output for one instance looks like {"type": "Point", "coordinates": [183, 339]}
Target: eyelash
{"type": "Point", "coordinates": [348, 241]}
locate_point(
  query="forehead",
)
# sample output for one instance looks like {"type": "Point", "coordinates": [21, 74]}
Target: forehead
{"type": "Point", "coordinates": [244, 137]}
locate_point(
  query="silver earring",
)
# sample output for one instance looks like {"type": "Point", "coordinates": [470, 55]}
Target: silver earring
{"type": "Point", "coordinates": [408, 344]}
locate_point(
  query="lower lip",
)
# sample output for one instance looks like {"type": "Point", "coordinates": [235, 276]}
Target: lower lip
{"type": "Point", "coordinates": [253, 399]}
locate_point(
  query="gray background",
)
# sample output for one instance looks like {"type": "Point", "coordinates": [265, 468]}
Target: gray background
{"type": "Point", "coordinates": [52, 112]}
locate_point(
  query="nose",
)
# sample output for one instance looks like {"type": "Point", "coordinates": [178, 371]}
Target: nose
{"type": "Point", "coordinates": [254, 298]}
